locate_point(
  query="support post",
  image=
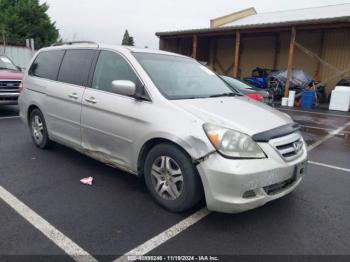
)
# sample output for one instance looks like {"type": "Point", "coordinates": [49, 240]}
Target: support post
{"type": "Point", "coordinates": [161, 43]}
{"type": "Point", "coordinates": [194, 46]}
{"type": "Point", "coordinates": [318, 70]}
{"type": "Point", "coordinates": [237, 53]}
{"type": "Point", "coordinates": [276, 52]}
{"type": "Point", "coordinates": [179, 46]}
{"type": "Point", "coordinates": [211, 53]}
{"type": "Point", "coordinates": [290, 61]}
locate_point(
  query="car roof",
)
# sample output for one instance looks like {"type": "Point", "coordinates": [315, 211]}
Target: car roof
{"type": "Point", "coordinates": [118, 48]}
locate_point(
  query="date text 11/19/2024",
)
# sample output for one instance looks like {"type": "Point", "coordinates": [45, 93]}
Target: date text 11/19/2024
{"type": "Point", "coordinates": [173, 258]}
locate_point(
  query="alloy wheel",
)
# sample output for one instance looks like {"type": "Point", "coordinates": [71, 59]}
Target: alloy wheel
{"type": "Point", "coordinates": [167, 178]}
{"type": "Point", "coordinates": [37, 129]}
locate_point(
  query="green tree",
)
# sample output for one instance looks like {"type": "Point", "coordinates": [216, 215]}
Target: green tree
{"type": "Point", "coordinates": [127, 39]}
{"type": "Point", "coordinates": [22, 19]}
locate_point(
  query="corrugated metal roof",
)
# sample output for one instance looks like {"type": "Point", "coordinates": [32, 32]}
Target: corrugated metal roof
{"type": "Point", "coordinates": [314, 15]}
{"type": "Point", "coordinates": [288, 16]}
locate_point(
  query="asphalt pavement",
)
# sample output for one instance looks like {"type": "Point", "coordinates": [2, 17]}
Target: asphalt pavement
{"type": "Point", "coordinates": [116, 214]}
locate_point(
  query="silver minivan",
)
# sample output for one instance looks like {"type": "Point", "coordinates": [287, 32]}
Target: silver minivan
{"type": "Point", "coordinates": [166, 118]}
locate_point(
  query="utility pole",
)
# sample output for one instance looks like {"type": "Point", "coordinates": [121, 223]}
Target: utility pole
{"type": "Point", "coordinates": [32, 45]}
{"type": "Point", "coordinates": [3, 40]}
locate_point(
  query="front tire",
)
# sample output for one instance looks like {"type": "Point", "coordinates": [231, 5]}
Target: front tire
{"type": "Point", "coordinates": [38, 130]}
{"type": "Point", "coordinates": [171, 178]}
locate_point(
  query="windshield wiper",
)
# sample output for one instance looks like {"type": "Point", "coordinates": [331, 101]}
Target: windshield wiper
{"type": "Point", "coordinates": [226, 94]}
{"type": "Point", "coordinates": [6, 68]}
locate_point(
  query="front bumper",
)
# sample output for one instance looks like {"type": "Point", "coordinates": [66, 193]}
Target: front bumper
{"type": "Point", "coordinates": [234, 186]}
{"type": "Point", "coordinates": [9, 98]}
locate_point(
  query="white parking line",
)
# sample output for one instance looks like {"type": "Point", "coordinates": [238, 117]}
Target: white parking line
{"type": "Point", "coordinates": [194, 218]}
{"type": "Point", "coordinates": [9, 117]}
{"type": "Point", "coordinates": [330, 135]}
{"type": "Point", "coordinates": [312, 112]}
{"type": "Point", "coordinates": [62, 241]}
{"type": "Point", "coordinates": [165, 236]}
{"type": "Point", "coordinates": [322, 128]}
{"type": "Point", "coordinates": [329, 166]}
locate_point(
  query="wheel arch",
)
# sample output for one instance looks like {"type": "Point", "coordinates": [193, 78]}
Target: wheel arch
{"type": "Point", "coordinates": [30, 110]}
{"type": "Point", "coordinates": [147, 147]}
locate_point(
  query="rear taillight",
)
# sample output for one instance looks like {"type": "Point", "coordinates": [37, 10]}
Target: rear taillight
{"type": "Point", "coordinates": [20, 87]}
{"type": "Point", "coordinates": [257, 97]}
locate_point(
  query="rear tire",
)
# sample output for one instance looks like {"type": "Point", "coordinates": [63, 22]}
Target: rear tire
{"type": "Point", "coordinates": [38, 130]}
{"type": "Point", "coordinates": [171, 178]}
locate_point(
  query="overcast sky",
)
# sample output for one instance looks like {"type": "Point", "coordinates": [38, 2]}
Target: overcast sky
{"type": "Point", "coordinates": [106, 20]}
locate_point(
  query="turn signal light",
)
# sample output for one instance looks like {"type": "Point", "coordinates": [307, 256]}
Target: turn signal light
{"type": "Point", "coordinates": [214, 138]}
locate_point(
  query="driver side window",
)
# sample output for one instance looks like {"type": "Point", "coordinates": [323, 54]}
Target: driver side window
{"type": "Point", "coordinates": [111, 66]}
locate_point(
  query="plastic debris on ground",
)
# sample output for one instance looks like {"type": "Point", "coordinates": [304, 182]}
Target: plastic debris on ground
{"type": "Point", "coordinates": [87, 180]}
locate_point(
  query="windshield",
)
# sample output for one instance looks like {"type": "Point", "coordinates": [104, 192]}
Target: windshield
{"type": "Point", "coordinates": [182, 78]}
{"type": "Point", "coordinates": [6, 63]}
{"type": "Point", "coordinates": [236, 83]}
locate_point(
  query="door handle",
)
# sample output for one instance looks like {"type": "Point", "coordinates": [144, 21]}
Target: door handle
{"type": "Point", "coordinates": [74, 96]}
{"type": "Point", "coordinates": [91, 100]}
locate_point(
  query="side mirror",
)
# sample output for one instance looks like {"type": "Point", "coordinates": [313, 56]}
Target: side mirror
{"type": "Point", "coordinates": [124, 87]}
{"type": "Point", "coordinates": [19, 68]}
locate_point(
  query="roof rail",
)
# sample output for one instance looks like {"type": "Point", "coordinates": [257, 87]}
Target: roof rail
{"type": "Point", "coordinates": [74, 43]}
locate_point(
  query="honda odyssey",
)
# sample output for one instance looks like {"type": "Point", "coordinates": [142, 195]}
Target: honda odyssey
{"type": "Point", "coordinates": [166, 118]}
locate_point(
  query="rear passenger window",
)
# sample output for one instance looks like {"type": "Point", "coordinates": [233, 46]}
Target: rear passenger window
{"type": "Point", "coordinates": [47, 64]}
{"type": "Point", "coordinates": [75, 66]}
{"type": "Point", "coordinates": [111, 66]}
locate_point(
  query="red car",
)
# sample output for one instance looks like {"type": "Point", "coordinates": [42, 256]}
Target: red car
{"type": "Point", "coordinates": [255, 93]}
{"type": "Point", "coordinates": [10, 81]}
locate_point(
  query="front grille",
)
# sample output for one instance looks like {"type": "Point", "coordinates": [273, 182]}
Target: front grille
{"type": "Point", "coordinates": [8, 98]}
{"type": "Point", "coordinates": [289, 147]}
{"type": "Point", "coordinates": [9, 85]}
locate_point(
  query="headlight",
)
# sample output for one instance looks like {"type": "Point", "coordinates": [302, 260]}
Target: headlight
{"type": "Point", "coordinates": [231, 143]}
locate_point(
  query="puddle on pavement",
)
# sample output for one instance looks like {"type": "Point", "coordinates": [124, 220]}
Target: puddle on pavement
{"type": "Point", "coordinates": [330, 123]}
{"type": "Point", "coordinates": [312, 135]}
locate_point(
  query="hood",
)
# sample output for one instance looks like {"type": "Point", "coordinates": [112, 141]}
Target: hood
{"type": "Point", "coordinates": [10, 75]}
{"type": "Point", "coordinates": [238, 113]}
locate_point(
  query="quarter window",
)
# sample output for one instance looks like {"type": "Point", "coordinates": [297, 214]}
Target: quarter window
{"type": "Point", "coordinates": [111, 66]}
{"type": "Point", "coordinates": [75, 66]}
{"type": "Point", "coordinates": [47, 64]}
